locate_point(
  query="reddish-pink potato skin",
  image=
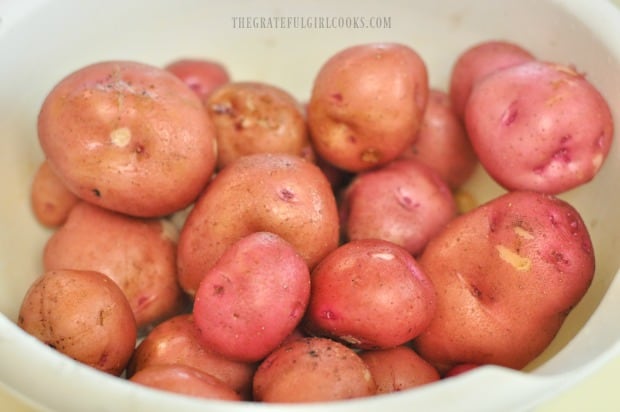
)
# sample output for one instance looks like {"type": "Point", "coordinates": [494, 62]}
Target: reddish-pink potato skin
{"type": "Point", "coordinates": [201, 75]}
{"type": "Point", "coordinates": [177, 341]}
{"type": "Point", "coordinates": [478, 61]}
{"type": "Point", "coordinates": [460, 369]}
{"type": "Point", "coordinates": [51, 201]}
{"type": "Point", "coordinates": [252, 298]}
{"type": "Point", "coordinates": [138, 254]}
{"type": "Point", "coordinates": [129, 137]}
{"type": "Point", "coordinates": [442, 142]}
{"type": "Point", "coordinates": [404, 202]}
{"type": "Point", "coordinates": [367, 104]}
{"type": "Point", "coordinates": [185, 380]}
{"type": "Point", "coordinates": [82, 314]}
{"type": "Point", "coordinates": [312, 370]}
{"type": "Point", "coordinates": [277, 193]}
{"type": "Point", "coordinates": [506, 274]}
{"type": "Point", "coordinates": [371, 294]}
{"type": "Point", "coordinates": [254, 117]}
{"type": "Point", "coordinates": [398, 368]}
{"type": "Point", "coordinates": [539, 126]}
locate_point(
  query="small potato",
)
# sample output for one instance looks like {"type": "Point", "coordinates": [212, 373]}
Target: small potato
{"type": "Point", "coordinates": [252, 117]}
{"type": "Point", "coordinates": [51, 201]}
{"type": "Point", "coordinates": [506, 274]}
{"type": "Point", "coordinates": [404, 202]}
{"type": "Point", "coordinates": [138, 254]}
{"type": "Point", "coordinates": [442, 142]}
{"type": "Point", "coordinates": [478, 61]}
{"type": "Point", "coordinates": [277, 193]}
{"type": "Point", "coordinates": [539, 126]}
{"type": "Point", "coordinates": [252, 298]}
{"type": "Point", "coordinates": [371, 294]}
{"type": "Point", "coordinates": [129, 137]}
{"type": "Point", "coordinates": [367, 104]}
{"type": "Point", "coordinates": [184, 380]}
{"type": "Point", "coordinates": [177, 341]}
{"type": "Point", "coordinates": [398, 368]}
{"type": "Point", "coordinates": [312, 370]}
{"type": "Point", "coordinates": [82, 314]}
{"type": "Point", "coordinates": [201, 75]}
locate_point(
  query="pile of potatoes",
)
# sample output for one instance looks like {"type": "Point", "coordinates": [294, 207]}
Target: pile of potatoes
{"type": "Point", "coordinates": [221, 239]}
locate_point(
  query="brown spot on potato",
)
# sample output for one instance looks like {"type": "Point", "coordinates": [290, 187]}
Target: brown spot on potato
{"type": "Point", "coordinates": [370, 155]}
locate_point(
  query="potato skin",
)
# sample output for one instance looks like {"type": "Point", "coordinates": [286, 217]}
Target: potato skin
{"type": "Point", "coordinates": [477, 62]}
{"type": "Point", "coordinates": [442, 142]}
{"type": "Point", "coordinates": [234, 304]}
{"type": "Point", "coordinates": [51, 201]}
{"type": "Point", "coordinates": [253, 117]}
{"type": "Point", "coordinates": [399, 368]}
{"type": "Point", "coordinates": [404, 202]}
{"type": "Point", "coordinates": [177, 341]}
{"type": "Point", "coordinates": [371, 294]}
{"type": "Point", "coordinates": [82, 314]}
{"type": "Point", "coordinates": [184, 380]}
{"type": "Point", "coordinates": [312, 370]}
{"type": "Point", "coordinates": [128, 137]}
{"type": "Point", "coordinates": [367, 104]}
{"type": "Point", "coordinates": [539, 126]}
{"type": "Point", "coordinates": [277, 193]}
{"type": "Point", "coordinates": [523, 255]}
{"type": "Point", "coordinates": [138, 254]}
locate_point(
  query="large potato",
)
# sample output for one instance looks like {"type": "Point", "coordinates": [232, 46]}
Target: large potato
{"type": "Point", "coordinates": [539, 126]}
{"type": "Point", "coordinates": [252, 298]}
{"type": "Point", "coordinates": [367, 104]}
{"type": "Point", "coordinates": [371, 294]}
{"type": "Point", "coordinates": [312, 370]}
{"type": "Point", "coordinates": [138, 254]}
{"type": "Point", "coordinates": [177, 341]}
{"type": "Point", "coordinates": [254, 117]}
{"type": "Point", "coordinates": [405, 202]}
{"type": "Point", "coordinates": [277, 193]}
{"type": "Point", "coordinates": [506, 274]}
{"type": "Point", "coordinates": [82, 314]}
{"type": "Point", "coordinates": [128, 137]}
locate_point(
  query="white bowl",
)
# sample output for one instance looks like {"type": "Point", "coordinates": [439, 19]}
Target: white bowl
{"type": "Point", "coordinates": [41, 41]}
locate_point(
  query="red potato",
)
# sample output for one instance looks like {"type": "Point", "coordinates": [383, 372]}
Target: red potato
{"type": "Point", "coordinates": [398, 368]}
{"type": "Point", "coordinates": [51, 201]}
{"type": "Point", "coordinates": [367, 104]}
{"type": "Point", "coordinates": [253, 117]}
{"type": "Point", "coordinates": [371, 294]}
{"type": "Point", "coordinates": [138, 254]}
{"type": "Point", "coordinates": [539, 126]}
{"type": "Point", "coordinates": [478, 61]}
{"type": "Point", "coordinates": [128, 137]}
{"type": "Point", "coordinates": [404, 202]}
{"type": "Point", "coordinates": [201, 75]}
{"type": "Point", "coordinates": [184, 380]}
{"type": "Point", "coordinates": [312, 370]}
{"type": "Point", "coordinates": [82, 314]}
{"type": "Point", "coordinates": [282, 194]}
{"type": "Point", "coordinates": [177, 341]}
{"type": "Point", "coordinates": [442, 142]}
{"type": "Point", "coordinates": [506, 274]}
{"type": "Point", "coordinates": [234, 305]}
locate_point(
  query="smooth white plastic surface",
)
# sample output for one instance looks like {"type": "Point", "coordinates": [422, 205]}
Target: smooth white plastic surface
{"type": "Point", "coordinates": [42, 41]}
